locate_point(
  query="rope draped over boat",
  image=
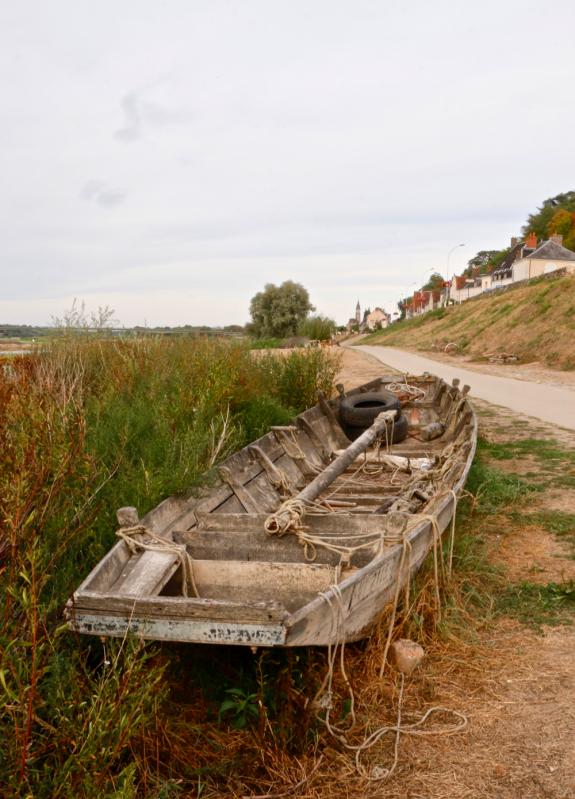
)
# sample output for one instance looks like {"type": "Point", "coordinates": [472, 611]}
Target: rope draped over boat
{"type": "Point", "coordinates": [132, 537]}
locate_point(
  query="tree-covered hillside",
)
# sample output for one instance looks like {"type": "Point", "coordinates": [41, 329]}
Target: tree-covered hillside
{"type": "Point", "coordinates": [555, 216]}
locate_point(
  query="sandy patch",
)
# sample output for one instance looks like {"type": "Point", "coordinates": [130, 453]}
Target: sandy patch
{"type": "Point", "coordinates": [359, 367]}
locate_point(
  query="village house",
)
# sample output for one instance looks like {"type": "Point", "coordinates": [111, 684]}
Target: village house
{"type": "Point", "coordinates": [372, 320]}
{"type": "Point", "coordinates": [503, 275]}
{"type": "Point", "coordinates": [377, 318]}
{"type": "Point", "coordinates": [548, 257]}
{"type": "Point", "coordinates": [463, 288]}
{"type": "Point", "coordinates": [423, 301]}
{"type": "Point", "coordinates": [524, 261]}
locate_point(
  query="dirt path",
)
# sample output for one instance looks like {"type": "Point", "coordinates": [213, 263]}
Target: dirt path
{"type": "Point", "coordinates": [516, 684]}
{"type": "Point", "coordinates": [547, 402]}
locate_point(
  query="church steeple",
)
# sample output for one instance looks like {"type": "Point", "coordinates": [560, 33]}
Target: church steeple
{"type": "Point", "coordinates": [357, 313]}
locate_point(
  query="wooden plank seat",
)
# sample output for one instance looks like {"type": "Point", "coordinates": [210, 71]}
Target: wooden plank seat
{"type": "Point", "coordinates": [332, 523]}
{"type": "Point", "coordinates": [146, 573]}
{"type": "Point", "coordinates": [142, 574]}
{"type": "Point", "coordinates": [259, 546]}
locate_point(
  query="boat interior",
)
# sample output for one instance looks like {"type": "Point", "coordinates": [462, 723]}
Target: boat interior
{"type": "Point", "coordinates": [217, 544]}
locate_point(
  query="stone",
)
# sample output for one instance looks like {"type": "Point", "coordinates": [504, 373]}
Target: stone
{"type": "Point", "coordinates": [407, 655]}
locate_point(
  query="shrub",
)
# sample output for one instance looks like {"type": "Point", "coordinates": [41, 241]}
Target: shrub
{"type": "Point", "coordinates": [319, 328]}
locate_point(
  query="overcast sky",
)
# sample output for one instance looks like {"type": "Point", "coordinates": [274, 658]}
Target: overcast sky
{"type": "Point", "coordinates": [170, 158]}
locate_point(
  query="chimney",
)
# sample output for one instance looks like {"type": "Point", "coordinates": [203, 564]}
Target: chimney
{"type": "Point", "coordinates": [514, 241]}
{"type": "Point", "coordinates": [557, 238]}
{"type": "Point", "coordinates": [531, 241]}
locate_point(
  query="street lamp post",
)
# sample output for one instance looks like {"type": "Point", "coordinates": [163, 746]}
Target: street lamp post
{"type": "Point", "coordinates": [448, 257]}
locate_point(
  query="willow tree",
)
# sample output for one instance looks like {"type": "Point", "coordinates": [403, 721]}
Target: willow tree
{"type": "Point", "coordinates": [279, 310]}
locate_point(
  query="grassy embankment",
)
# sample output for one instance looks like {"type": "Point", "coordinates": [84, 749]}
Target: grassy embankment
{"type": "Point", "coordinates": [88, 426]}
{"type": "Point", "coordinates": [534, 321]}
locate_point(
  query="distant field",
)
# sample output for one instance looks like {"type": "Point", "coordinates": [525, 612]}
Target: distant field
{"type": "Point", "coordinates": [535, 322]}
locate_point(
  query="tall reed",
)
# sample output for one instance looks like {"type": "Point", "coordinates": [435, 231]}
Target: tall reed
{"type": "Point", "coordinates": [86, 425]}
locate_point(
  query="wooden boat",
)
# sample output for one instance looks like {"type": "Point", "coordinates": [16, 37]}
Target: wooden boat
{"type": "Point", "coordinates": [212, 567]}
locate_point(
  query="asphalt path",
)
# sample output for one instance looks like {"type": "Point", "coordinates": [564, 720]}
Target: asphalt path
{"type": "Point", "coordinates": [549, 403]}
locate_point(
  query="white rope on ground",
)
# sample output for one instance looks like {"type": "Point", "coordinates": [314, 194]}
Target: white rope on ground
{"type": "Point", "coordinates": [159, 544]}
{"type": "Point", "coordinates": [324, 701]}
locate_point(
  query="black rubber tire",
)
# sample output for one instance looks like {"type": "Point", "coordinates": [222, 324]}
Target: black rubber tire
{"type": "Point", "coordinates": [360, 410]}
{"type": "Point", "coordinates": [400, 427]}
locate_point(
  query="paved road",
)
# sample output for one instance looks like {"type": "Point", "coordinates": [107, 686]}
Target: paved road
{"type": "Point", "coordinates": [552, 404]}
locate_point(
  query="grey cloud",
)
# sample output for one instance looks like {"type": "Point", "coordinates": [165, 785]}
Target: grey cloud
{"type": "Point", "coordinates": [132, 129]}
{"type": "Point", "coordinates": [110, 198]}
{"type": "Point", "coordinates": [103, 195]}
{"type": "Point", "coordinates": [140, 113]}
{"type": "Point", "coordinates": [91, 189]}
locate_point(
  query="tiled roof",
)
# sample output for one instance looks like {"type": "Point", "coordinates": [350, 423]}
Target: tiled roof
{"type": "Point", "coordinates": [507, 263]}
{"type": "Point", "coordinates": [551, 251]}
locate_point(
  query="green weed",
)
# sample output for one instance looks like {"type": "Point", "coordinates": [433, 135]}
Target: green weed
{"type": "Point", "coordinates": [536, 605]}
{"type": "Point", "coordinates": [541, 448]}
{"type": "Point", "coordinates": [241, 706]}
{"type": "Point", "coordinates": [559, 523]}
{"type": "Point", "coordinates": [266, 343]}
{"type": "Point", "coordinates": [494, 489]}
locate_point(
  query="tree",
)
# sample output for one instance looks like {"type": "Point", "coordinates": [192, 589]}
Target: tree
{"type": "Point", "coordinates": [279, 310]}
{"type": "Point", "coordinates": [436, 281]}
{"type": "Point", "coordinates": [402, 306]}
{"type": "Point", "coordinates": [319, 328]}
{"type": "Point", "coordinates": [540, 221]}
{"type": "Point", "coordinates": [562, 222]}
{"type": "Point", "coordinates": [481, 260]}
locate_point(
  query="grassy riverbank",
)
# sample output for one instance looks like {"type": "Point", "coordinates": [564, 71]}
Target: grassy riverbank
{"type": "Point", "coordinates": [87, 425]}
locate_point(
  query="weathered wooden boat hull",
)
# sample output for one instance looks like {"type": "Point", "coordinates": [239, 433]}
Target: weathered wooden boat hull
{"type": "Point", "coordinates": [258, 590]}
